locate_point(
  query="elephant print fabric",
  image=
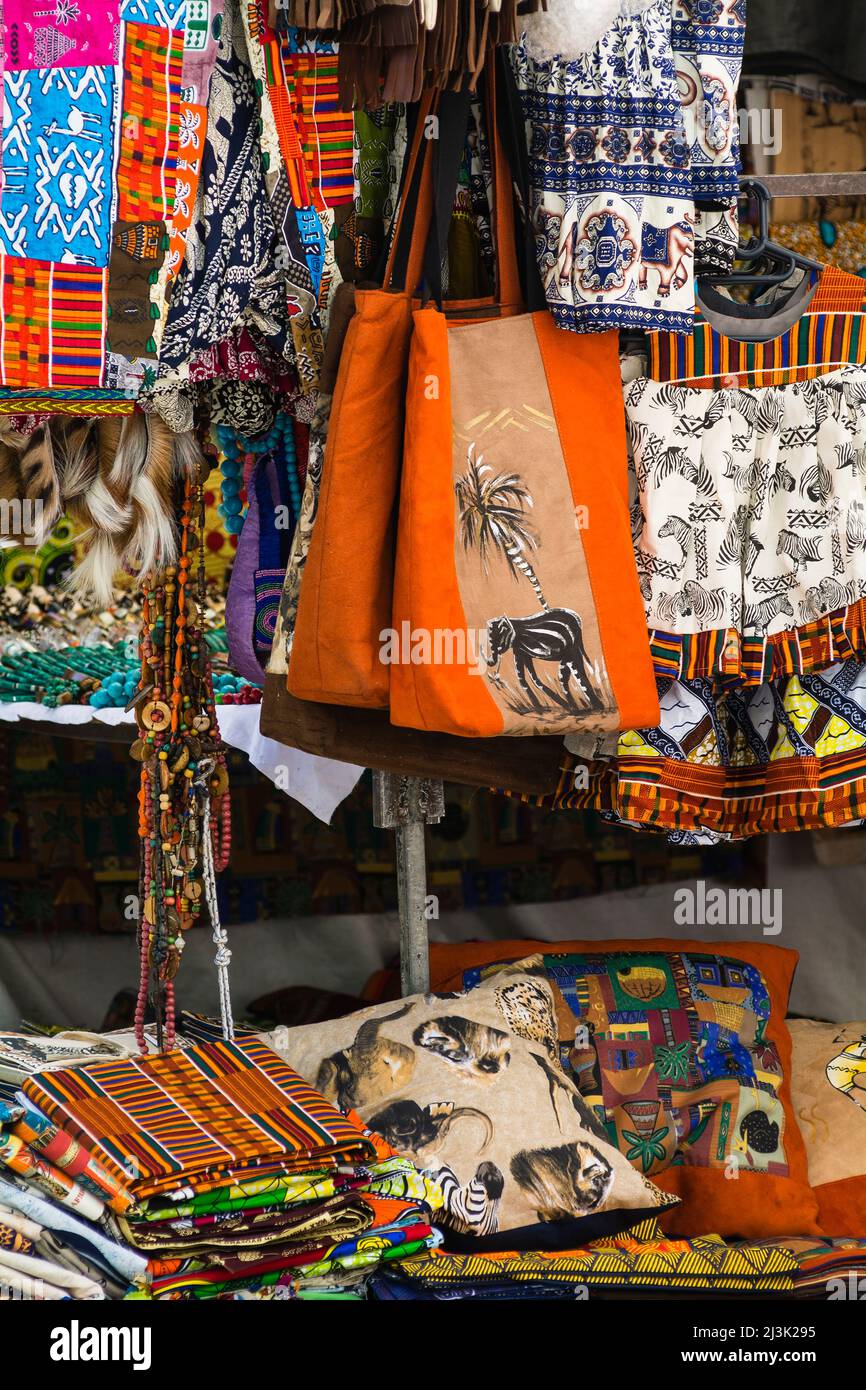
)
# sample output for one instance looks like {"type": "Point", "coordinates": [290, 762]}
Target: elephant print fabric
{"type": "Point", "coordinates": [623, 137]}
{"type": "Point", "coordinates": [470, 1087]}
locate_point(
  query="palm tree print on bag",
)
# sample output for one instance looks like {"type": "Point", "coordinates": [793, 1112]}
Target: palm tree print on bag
{"type": "Point", "coordinates": [492, 521]}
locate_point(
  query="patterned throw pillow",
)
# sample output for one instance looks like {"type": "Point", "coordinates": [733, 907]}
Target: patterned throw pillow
{"type": "Point", "coordinates": [470, 1086]}
{"type": "Point", "coordinates": [828, 1087]}
{"type": "Point", "coordinates": [681, 1050]}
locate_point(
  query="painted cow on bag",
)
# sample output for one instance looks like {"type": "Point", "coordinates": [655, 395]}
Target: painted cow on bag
{"type": "Point", "coordinates": [670, 251]}
{"type": "Point", "coordinates": [554, 635]}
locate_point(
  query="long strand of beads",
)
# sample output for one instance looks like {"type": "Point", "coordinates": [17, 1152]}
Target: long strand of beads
{"type": "Point", "coordinates": [184, 780]}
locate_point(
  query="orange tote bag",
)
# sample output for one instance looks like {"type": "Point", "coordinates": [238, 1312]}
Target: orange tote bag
{"type": "Point", "coordinates": [517, 609]}
{"type": "Point", "coordinates": [347, 588]}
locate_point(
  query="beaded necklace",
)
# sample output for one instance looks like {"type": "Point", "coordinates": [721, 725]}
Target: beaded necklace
{"type": "Point", "coordinates": [237, 457]}
{"type": "Point", "coordinates": [184, 820]}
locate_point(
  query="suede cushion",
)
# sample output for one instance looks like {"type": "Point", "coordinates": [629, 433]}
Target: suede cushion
{"type": "Point", "coordinates": [828, 1088]}
{"type": "Point", "coordinates": [682, 1049]}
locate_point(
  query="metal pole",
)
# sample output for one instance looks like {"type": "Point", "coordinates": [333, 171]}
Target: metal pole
{"type": "Point", "coordinates": [408, 805]}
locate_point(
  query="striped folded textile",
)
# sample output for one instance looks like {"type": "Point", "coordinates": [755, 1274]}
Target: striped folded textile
{"type": "Point", "coordinates": [828, 1270]}
{"type": "Point", "coordinates": [198, 1119]}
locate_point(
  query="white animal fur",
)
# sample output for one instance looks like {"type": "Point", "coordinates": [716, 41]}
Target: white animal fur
{"type": "Point", "coordinates": [572, 27]}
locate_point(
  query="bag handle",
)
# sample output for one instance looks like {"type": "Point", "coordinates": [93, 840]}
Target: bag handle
{"type": "Point", "coordinates": [430, 184]}
{"type": "Point", "coordinates": [413, 198]}
{"type": "Point", "coordinates": [512, 129]}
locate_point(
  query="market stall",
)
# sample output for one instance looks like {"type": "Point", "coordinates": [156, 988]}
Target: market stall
{"type": "Point", "coordinates": [439, 390]}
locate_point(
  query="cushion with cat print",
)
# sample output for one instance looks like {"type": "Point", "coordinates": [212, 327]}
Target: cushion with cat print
{"type": "Point", "coordinates": [828, 1090]}
{"type": "Point", "coordinates": [471, 1088]}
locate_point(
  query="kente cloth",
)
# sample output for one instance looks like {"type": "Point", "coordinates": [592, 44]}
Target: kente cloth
{"type": "Point", "coordinates": [164, 1121]}
{"type": "Point", "coordinates": [639, 1260]}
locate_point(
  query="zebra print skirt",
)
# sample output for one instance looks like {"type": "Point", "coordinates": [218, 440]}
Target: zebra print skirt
{"type": "Point", "coordinates": [748, 511]}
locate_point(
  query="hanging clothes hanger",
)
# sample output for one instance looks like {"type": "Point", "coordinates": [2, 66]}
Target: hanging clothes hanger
{"type": "Point", "coordinates": [769, 262]}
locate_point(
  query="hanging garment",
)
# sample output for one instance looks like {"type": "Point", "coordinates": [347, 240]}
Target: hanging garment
{"type": "Point", "coordinates": [747, 447]}
{"type": "Point", "coordinates": [787, 755]}
{"type": "Point", "coordinates": [626, 136]}
{"type": "Point", "coordinates": [612, 200]}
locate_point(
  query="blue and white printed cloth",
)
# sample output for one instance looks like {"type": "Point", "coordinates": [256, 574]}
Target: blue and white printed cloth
{"type": "Point", "coordinates": [624, 137]}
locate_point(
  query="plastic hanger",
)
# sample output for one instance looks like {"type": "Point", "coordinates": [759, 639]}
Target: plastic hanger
{"type": "Point", "coordinates": [772, 263]}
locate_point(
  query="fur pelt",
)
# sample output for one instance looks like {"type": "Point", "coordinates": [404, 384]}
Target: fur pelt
{"type": "Point", "coordinates": [572, 27]}
{"type": "Point", "coordinates": [115, 477]}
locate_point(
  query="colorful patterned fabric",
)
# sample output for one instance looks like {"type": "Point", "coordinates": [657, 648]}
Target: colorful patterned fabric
{"type": "Point", "coordinates": [184, 1117]}
{"type": "Point", "coordinates": [58, 135]}
{"type": "Point", "coordinates": [707, 39]}
{"type": "Point", "coordinates": [42, 1175]}
{"type": "Point", "coordinates": [832, 1270]}
{"type": "Point", "coordinates": [85, 1235]}
{"type": "Point", "coordinates": [611, 182]}
{"type": "Point", "coordinates": [728, 658]}
{"type": "Point", "coordinates": [53, 325]}
{"type": "Point", "coordinates": [671, 1051]}
{"type": "Point", "coordinates": [782, 756]}
{"type": "Point", "coordinates": [60, 1149]}
{"type": "Point", "coordinates": [98, 148]}
{"type": "Point", "coordinates": [746, 496]}
{"type": "Point", "coordinates": [229, 277]}
{"type": "Point", "coordinates": [315, 136]}
{"type": "Point", "coordinates": [149, 135]}
{"type": "Point", "coordinates": [830, 333]}
{"type": "Point", "coordinates": [63, 33]}
{"type": "Point", "coordinates": [360, 1252]}
{"type": "Point", "coordinates": [642, 1259]}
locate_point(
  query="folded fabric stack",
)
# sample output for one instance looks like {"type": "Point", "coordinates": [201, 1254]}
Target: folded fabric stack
{"type": "Point", "coordinates": [194, 1174]}
{"type": "Point", "coordinates": [829, 1270]}
{"type": "Point", "coordinates": [644, 1260]}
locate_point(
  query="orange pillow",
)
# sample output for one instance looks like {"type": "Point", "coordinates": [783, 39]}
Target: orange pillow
{"type": "Point", "coordinates": [663, 1028]}
{"type": "Point", "coordinates": [828, 1085]}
